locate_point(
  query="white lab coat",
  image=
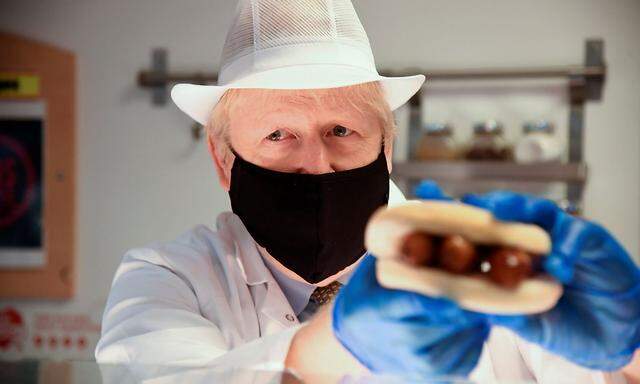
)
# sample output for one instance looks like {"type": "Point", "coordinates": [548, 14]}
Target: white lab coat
{"type": "Point", "coordinates": [207, 299]}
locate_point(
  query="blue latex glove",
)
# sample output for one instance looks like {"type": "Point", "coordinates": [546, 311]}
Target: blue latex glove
{"type": "Point", "coordinates": [596, 323]}
{"type": "Point", "coordinates": [405, 333]}
{"type": "Point", "coordinates": [430, 190]}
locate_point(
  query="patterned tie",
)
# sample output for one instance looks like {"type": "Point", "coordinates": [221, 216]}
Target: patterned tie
{"type": "Point", "coordinates": [323, 295]}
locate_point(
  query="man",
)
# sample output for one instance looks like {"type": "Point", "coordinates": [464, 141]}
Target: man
{"type": "Point", "coordinates": [301, 132]}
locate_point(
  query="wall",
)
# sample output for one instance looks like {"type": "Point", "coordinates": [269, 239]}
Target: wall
{"type": "Point", "coordinates": [141, 177]}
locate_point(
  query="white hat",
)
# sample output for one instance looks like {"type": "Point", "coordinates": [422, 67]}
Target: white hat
{"type": "Point", "coordinates": [293, 44]}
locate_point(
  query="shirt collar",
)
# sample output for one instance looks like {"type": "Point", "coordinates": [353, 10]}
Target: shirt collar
{"type": "Point", "coordinates": [296, 291]}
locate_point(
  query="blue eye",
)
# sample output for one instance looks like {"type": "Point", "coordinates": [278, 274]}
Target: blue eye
{"type": "Point", "coordinates": [341, 131]}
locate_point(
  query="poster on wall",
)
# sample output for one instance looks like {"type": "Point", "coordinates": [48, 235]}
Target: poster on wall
{"type": "Point", "coordinates": [21, 185]}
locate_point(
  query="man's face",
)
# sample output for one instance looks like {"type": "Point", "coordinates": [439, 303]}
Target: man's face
{"type": "Point", "coordinates": [288, 131]}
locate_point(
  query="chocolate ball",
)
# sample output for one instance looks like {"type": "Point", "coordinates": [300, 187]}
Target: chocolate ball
{"type": "Point", "coordinates": [457, 254]}
{"type": "Point", "coordinates": [417, 249]}
{"type": "Point", "coordinates": [507, 267]}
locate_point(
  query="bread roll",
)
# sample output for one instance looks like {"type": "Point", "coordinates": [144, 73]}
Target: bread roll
{"type": "Point", "coordinates": [390, 225]}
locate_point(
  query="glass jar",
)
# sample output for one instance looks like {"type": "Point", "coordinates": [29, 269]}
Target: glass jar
{"type": "Point", "coordinates": [488, 142]}
{"type": "Point", "coordinates": [538, 144]}
{"type": "Point", "coordinates": [437, 143]}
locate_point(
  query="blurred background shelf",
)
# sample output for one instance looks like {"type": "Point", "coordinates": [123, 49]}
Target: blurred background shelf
{"type": "Point", "coordinates": [574, 173]}
{"type": "Point", "coordinates": [563, 182]}
{"type": "Point", "coordinates": [584, 83]}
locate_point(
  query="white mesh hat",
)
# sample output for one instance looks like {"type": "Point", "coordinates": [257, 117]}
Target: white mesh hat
{"type": "Point", "coordinates": [293, 44]}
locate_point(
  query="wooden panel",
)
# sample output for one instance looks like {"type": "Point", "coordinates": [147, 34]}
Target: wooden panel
{"type": "Point", "coordinates": [56, 69]}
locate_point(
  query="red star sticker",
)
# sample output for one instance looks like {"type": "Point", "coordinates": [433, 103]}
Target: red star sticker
{"type": "Point", "coordinates": [82, 342]}
{"type": "Point", "coordinates": [37, 341]}
{"type": "Point", "coordinates": [66, 342]}
{"type": "Point", "coordinates": [53, 342]}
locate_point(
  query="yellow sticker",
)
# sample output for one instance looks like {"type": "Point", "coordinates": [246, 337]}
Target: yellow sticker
{"type": "Point", "coordinates": [19, 85]}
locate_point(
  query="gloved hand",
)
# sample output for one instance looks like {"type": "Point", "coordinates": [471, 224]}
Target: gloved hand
{"type": "Point", "coordinates": [400, 332]}
{"type": "Point", "coordinates": [596, 323]}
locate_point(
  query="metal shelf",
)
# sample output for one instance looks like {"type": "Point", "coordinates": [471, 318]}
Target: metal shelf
{"type": "Point", "coordinates": [572, 173]}
{"type": "Point", "coordinates": [585, 83]}
{"type": "Point", "coordinates": [595, 72]}
{"type": "Point", "coordinates": [585, 80]}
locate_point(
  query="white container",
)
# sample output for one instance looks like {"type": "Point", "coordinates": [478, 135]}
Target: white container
{"type": "Point", "coordinates": [538, 145]}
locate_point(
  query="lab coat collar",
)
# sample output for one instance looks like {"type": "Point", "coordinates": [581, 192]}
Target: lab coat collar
{"type": "Point", "coordinates": [248, 258]}
{"type": "Point", "coordinates": [275, 304]}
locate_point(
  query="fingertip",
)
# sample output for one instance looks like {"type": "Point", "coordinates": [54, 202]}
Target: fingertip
{"type": "Point", "coordinates": [430, 190]}
{"type": "Point", "coordinates": [559, 268]}
{"type": "Point", "coordinates": [542, 212]}
{"type": "Point", "coordinates": [473, 199]}
{"type": "Point", "coordinates": [503, 205]}
{"type": "Point", "coordinates": [365, 270]}
{"type": "Point", "coordinates": [508, 209]}
{"type": "Point", "coordinates": [511, 206]}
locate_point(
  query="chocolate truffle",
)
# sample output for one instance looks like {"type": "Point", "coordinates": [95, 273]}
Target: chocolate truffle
{"type": "Point", "coordinates": [507, 267]}
{"type": "Point", "coordinates": [457, 254]}
{"type": "Point", "coordinates": [417, 249]}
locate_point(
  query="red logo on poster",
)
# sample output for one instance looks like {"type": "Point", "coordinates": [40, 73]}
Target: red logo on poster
{"type": "Point", "coordinates": [53, 342]}
{"type": "Point", "coordinates": [11, 328]}
{"type": "Point", "coordinates": [66, 342]}
{"type": "Point", "coordinates": [82, 342]}
{"type": "Point", "coordinates": [37, 341]}
{"type": "Point", "coordinates": [17, 180]}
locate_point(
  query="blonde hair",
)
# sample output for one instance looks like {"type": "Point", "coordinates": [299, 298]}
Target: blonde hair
{"type": "Point", "coordinates": [365, 97]}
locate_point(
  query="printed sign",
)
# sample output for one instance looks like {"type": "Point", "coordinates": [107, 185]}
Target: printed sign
{"type": "Point", "coordinates": [21, 224]}
{"type": "Point", "coordinates": [51, 334]}
{"type": "Point", "coordinates": [12, 329]}
{"type": "Point", "coordinates": [19, 85]}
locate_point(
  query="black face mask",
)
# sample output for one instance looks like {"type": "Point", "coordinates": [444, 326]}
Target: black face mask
{"type": "Point", "coordinates": [312, 224]}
